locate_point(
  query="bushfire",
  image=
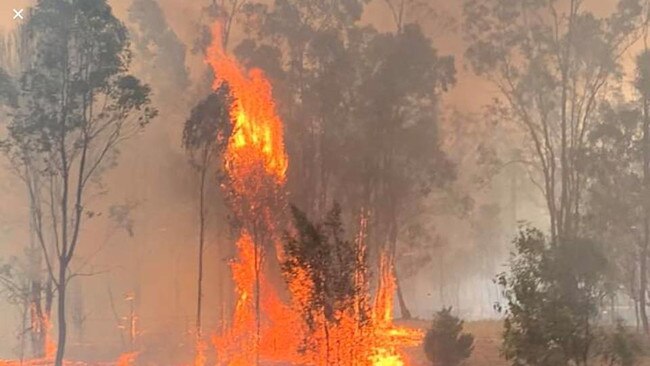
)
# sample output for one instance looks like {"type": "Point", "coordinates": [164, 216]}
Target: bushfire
{"type": "Point", "coordinates": [267, 325]}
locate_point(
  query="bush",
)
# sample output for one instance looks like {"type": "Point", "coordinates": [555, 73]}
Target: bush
{"type": "Point", "coordinates": [552, 293]}
{"type": "Point", "coordinates": [444, 344]}
{"type": "Point", "coordinates": [621, 347]}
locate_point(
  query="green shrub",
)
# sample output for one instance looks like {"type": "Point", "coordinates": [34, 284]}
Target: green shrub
{"type": "Point", "coordinates": [620, 348]}
{"type": "Point", "coordinates": [445, 344]}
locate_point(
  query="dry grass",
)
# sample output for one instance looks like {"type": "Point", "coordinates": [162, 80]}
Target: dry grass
{"type": "Point", "coordinates": [487, 340]}
{"type": "Point", "coordinates": [487, 343]}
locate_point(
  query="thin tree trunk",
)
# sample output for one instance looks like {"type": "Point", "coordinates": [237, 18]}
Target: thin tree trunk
{"type": "Point", "coordinates": [441, 279]}
{"type": "Point", "coordinates": [327, 342]}
{"type": "Point", "coordinates": [636, 315]}
{"type": "Point", "coordinates": [24, 316]}
{"type": "Point", "coordinates": [133, 326]}
{"type": "Point", "coordinates": [406, 313]}
{"type": "Point", "coordinates": [612, 310]}
{"type": "Point", "coordinates": [61, 290]}
{"type": "Point", "coordinates": [118, 323]}
{"type": "Point", "coordinates": [644, 282]}
{"type": "Point", "coordinates": [258, 311]}
{"type": "Point", "coordinates": [646, 219]}
{"type": "Point", "coordinates": [199, 300]}
{"type": "Point", "coordinates": [35, 308]}
{"type": "Point", "coordinates": [258, 316]}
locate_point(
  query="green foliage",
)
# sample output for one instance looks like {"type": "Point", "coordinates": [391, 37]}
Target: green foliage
{"type": "Point", "coordinates": [445, 344]}
{"type": "Point", "coordinates": [614, 189]}
{"type": "Point", "coordinates": [361, 108]}
{"type": "Point", "coordinates": [208, 126]}
{"type": "Point", "coordinates": [156, 44]}
{"type": "Point", "coordinates": [621, 347]}
{"type": "Point", "coordinates": [616, 192]}
{"type": "Point", "coordinates": [552, 292]}
{"type": "Point", "coordinates": [76, 104]}
{"type": "Point", "coordinates": [642, 82]}
{"type": "Point", "coordinates": [398, 100]}
{"type": "Point", "coordinates": [8, 91]}
{"type": "Point", "coordinates": [330, 261]}
{"type": "Point", "coordinates": [77, 87]}
{"type": "Point", "coordinates": [554, 63]}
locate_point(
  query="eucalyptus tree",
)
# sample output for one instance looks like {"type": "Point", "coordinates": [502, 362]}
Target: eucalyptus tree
{"type": "Point", "coordinates": [77, 103]}
{"type": "Point", "coordinates": [361, 118]}
{"type": "Point", "coordinates": [553, 63]}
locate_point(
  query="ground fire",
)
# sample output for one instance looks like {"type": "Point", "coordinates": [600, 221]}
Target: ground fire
{"type": "Point", "coordinates": [324, 182]}
{"type": "Point", "coordinates": [267, 324]}
{"type": "Point", "coordinates": [256, 164]}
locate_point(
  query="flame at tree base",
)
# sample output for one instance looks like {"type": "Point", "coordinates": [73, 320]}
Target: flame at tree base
{"type": "Point", "coordinates": [126, 359]}
{"type": "Point", "coordinates": [283, 336]}
{"type": "Point", "coordinates": [263, 326]}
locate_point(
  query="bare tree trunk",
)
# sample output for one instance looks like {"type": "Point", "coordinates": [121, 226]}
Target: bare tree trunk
{"type": "Point", "coordinates": [25, 312]}
{"type": "Point", "coordinates": [118, 323]}
{"type": "Point", "coordinates": [441, 279]}
{"type": "Point", "coordinates": [37, 327]}
{"type": "Point", "coordinates": [327, 342]}
{"type": "Point", "coordinates": [133, 330]}
{"type": "Point", "coordinates": [406, 313]}
{"type": "Point", "coordinates": [62, 325]}
{"type": "Point", "coordinates": [612, 310]}
{"type": "Point", "coordinates": [643, 267]}
{"type": "Point", "coordinates": [637, 322]}
{"type": "Point", "coordinates": [257, 258]}
{"type": "Point", "coordinates": [644, 281]}
{"type": "Point", "coordinates": [258, 310]}
{"type": "Point", "coordinates": [35, 267]}
{"type": "Point", "coordinates": [199, 300]}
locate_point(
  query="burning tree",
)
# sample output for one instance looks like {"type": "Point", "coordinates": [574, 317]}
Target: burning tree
{"type": "Point", "coordinates": [204, 137]}
{"type": "Point", "coordinates": [326, 332]}
{"type": "Point", "coordinates": [23, 278]}
{"type": "Point", "coordinates": [255, 165]}
{"type": "Point", "coordinates": [328, 281]}
{"type": "Point", "coordinates": [362, 118]}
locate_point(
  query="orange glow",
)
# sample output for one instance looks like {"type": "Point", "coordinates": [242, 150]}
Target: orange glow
{"type": "Point", "coordinates": [41, 324]}
{"type": "Point", "coordinates": [257, 136]}
{"type": "Point", "coordinates": [385, 357]}
{"type": "Point", "coordinates": [127, 359]}
{"type": "Point", "coordinates": [264, 327]}
{"type": "Point", "coordinates": [200, 358]}
{"type": "Point", "coordinates": [383, 312]}
{"type": "Point", "coordinates": [50, 345]}
{"type": "Point", "coordinates": [268, 323]}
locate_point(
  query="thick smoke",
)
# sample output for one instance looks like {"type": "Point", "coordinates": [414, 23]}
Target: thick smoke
{"type": "Point", "coordinates": [138, 261]}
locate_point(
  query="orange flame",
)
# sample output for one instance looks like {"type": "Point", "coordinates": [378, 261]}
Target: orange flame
{"type": "Point", "coordinates": [50, 345]}
{"type": "Point", "coordinates": [256, 165]}
{"type": "Point", "coordinates": [200, 358]}
{"type": "Point", "coordinates": [257, 129]}
{"type": "Point", "coordinates": [127, 359]}
{"type": "Point", "coordinates": [385, 293]}
{"type": "Point", "coordinates": [385, 357]}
